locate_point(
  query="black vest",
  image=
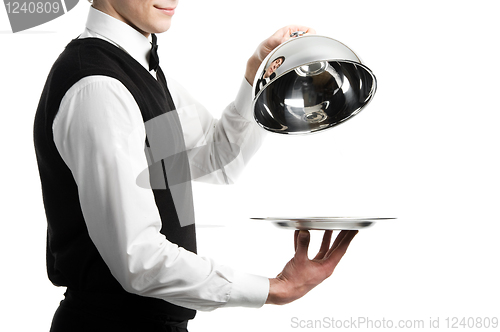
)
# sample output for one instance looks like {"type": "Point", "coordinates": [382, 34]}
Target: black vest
{"type": "Point", "coordinates": [72, 258]}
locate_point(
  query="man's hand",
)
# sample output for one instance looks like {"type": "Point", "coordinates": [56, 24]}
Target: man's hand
{"type": "Point", "coordinates": [270, 44]}
{"type": "Point", "coordinates": [301, 274]}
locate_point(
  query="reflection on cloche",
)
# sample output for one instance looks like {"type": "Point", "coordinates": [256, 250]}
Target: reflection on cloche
{"type": "Point", "coordinates": [310, 83]}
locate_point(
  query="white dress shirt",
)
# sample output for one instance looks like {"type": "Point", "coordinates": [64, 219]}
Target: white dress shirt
{"type": "Point", "coordinates": [100, 134]}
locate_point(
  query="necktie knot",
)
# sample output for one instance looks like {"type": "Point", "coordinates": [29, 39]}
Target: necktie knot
{"type": "Point", "coordinates": [154, 60]}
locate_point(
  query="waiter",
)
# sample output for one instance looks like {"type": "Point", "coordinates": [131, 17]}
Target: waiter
{"type": "Point", "coordinates": [111, 134]}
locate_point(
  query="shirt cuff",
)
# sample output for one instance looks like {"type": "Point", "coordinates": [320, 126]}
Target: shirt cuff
{"type": "Point", "coordinates": [243, 101]}
{"type": "Point", "coordinates": [248, 290]}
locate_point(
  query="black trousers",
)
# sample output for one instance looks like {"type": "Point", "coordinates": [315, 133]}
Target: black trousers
{"type": "Point", "coordinates": [77, 313]}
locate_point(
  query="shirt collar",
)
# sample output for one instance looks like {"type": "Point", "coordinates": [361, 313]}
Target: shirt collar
{"type": "Point", "coordinates": [121, 34]}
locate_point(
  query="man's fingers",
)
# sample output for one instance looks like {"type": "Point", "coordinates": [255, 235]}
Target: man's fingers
{"type": "Point", "coordinates": [325, 245]}
{"type": "Point", "coordinates": [284, 33]}
{"type": "Point", "coordinates": [337, 241]}
{"type": "Point", "coordinates": [295, 237]}
{"type": "Point", "coordinates": [295, 28]}
{"type": "Point", "coordinates": [335, 254]}
{"type": "Point", "coordinates": [302, 245]}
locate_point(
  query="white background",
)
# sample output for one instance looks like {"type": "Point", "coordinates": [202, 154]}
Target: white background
{"type": "Point", "coordinates": [425, 151]}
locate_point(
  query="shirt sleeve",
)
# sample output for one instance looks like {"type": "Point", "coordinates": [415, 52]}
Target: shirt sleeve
{"type": "Point", "coordinates": [100, 135]}
{"type": "Point", "coordinates": [218, 150]}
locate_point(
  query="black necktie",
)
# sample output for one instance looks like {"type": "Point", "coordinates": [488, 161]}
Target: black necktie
{"type": "Point", "coordinates": [154, 61]}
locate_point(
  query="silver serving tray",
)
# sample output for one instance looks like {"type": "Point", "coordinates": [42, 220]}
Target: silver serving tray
{"type": "Point", "coordinates": [323, 223]}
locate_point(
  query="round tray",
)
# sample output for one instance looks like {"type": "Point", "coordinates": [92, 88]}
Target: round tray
{"type": "Point", "coordinates": [323, 223]}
